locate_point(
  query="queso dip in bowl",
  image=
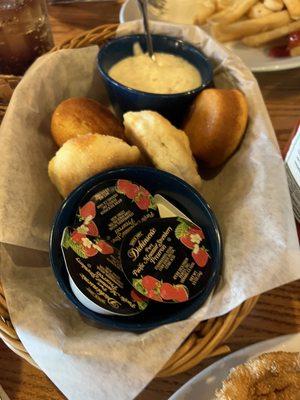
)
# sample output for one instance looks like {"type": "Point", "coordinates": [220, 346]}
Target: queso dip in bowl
{"type": "Point", "coordinates": [167, 85]}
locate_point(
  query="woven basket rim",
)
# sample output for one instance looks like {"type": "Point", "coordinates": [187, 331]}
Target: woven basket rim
{"type": "Point", "coordinates": [207, 340]}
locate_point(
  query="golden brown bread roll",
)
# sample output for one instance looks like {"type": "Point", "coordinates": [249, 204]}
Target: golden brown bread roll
{"type": "Point", "coordinates": [79, 116]}
{"type": "Point", "coordinates": [216, 124]}
{"type": "Point", "coordinates": [84, 156]}
{"type": "Point", "coordinates": [166, 146]}
{"type": "Point", "coordinates": [274, 376]}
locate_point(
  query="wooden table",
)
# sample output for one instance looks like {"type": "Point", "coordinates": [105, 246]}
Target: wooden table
{"type": "Point", "coordinates": [277, 312]}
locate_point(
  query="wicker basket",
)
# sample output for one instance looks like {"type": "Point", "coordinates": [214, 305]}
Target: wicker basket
{"type": "Point", "coordinates": [210, 336]}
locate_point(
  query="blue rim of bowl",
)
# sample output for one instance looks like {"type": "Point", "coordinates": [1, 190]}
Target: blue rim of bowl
{"type": "Point", "coordinates": [149, 94]}
{"type": "Point", "coordinates": [121, 323]}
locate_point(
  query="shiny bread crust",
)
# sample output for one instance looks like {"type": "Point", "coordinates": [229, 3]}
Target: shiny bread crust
{"type": "Point", "coordinates": [79, 116]}
{"type": "Point", "coordinates": [216, 124]}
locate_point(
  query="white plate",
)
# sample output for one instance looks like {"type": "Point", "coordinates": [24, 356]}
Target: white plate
{"type": "Point", "coordinates": [210, 379]}
{"type": "Point", "coordinates": [256, 59]}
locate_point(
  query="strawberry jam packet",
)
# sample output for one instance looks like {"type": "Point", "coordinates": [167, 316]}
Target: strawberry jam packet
{"type": "Point", "coordinates": [113, 208]}
{"type": "Point", "coordinates": [167, 260]}
{"type": "Point", "coordinates": [96, 277]}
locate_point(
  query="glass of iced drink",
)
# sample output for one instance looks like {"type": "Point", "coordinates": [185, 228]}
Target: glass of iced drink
{"type": "Point", "coordinates": [25, 34]}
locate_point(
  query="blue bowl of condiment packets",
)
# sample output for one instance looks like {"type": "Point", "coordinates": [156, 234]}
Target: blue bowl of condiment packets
{"type": "Point", "coordinates": [179, 193]}
{"type": "Point", "coordinates": [171, 106]}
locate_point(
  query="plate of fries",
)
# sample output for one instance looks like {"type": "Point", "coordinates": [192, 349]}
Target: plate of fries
{"type": "Point", "coordinates": [264, 33]}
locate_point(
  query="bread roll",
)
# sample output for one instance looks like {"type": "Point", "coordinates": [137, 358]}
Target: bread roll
{"type": "Point", "coordinates": [216, 124]}
{"type": "Point", "coordinates": [79, 116]}
{"type": "Point", "coordinates": [84, 156]}
{"type": "Point", "coordinates": [273, 376]}
{"type": "Point", "coordinates": [166, 146]}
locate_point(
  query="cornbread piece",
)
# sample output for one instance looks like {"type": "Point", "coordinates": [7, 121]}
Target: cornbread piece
{"type": "Point", "coordinates": [79, 116]}
{"type": "Point", "coordinates": [216, 124]}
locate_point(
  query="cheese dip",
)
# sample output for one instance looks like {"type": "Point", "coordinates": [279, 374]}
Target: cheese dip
{"type": "Point", "coordinates": [168, 74]}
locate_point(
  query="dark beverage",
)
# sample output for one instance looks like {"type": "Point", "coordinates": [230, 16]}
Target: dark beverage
{"type": "Point", "coordinates": [25, 34]}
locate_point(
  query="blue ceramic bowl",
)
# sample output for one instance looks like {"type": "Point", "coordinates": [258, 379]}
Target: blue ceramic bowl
{"type": "Point", "coordinates": [123, 98]}
{"type": "Point", "coordinates": [184, 197]}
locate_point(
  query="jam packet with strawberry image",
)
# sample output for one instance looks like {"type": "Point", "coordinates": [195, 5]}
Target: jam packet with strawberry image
{"type": "Point", "coordinates": [168, 260]}
{"type": "Point", "coordinates": [96, 277]}
{"type": "Point", "coordinates": [110, 210]}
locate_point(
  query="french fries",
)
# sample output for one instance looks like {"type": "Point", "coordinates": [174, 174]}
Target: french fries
{"type": "Point", "coordinates": [254, 22]}
{"type": "Point", "coordinates": [274, 5]}
{"type": "Point", "coordinates": [233, 12]}
{"type": "Point", "coordinates": [295, 51]}
{"type": "Point", "coordinates": [222, 4]}
{"type": "Point", "coordinates": [206, 9]}
{"type": "Point", "coordinates": [293, 7]}
{"type": "Point", "coordinates": [238, 30]}
{"type": "Point", "coordinates": [263, 38]}
{"type": "Point", "coordinates": [259, 10]}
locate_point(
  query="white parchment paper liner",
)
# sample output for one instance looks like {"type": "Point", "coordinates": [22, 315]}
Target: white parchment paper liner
{"type": "Point", "coordinates": [249, 196]}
